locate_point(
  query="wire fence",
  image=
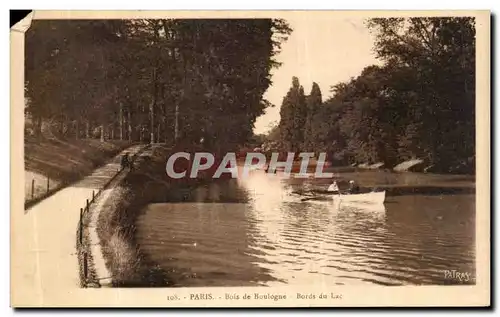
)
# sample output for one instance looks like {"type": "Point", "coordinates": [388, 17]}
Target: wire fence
{"type": "Point", "coordinates": [36, 194]}
{"type": "Point", "coordinates": [83, 253]}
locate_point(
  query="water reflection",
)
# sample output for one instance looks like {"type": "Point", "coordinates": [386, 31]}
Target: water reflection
{"type": "Point", "coordinates": [313, 241]}
{"type": "Point", "coordinates": [202, 244]}
{"type": "Point", "coordinates": [256, 230]}
{"type": "Point", "coordinates": [432, 234]}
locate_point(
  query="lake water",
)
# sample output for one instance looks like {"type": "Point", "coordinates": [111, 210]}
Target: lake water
{"type": "Point", "coordinates": [257, 231]}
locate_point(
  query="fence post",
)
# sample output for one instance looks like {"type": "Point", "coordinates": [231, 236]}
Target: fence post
{"type": "Point", "coordinates": [85, 268]}
{"type": "Point", "coordinates": [48, 184]}
{"type": "Point", "coordinates": [87, 205]}
{"type": "Point", "coordinates": [93, 196]}
{"type": "Point", "coordinates": [32, 188]}
{"type": "Point", "coordinates": [81, 225]}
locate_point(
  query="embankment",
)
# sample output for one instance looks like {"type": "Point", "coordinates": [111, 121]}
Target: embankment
{"type": "Point", "coordinates": [93, 272]}
{"type": "Point", "coordinates": [51, 164]}
{"type": "Point", "coordinates": [116, 223]}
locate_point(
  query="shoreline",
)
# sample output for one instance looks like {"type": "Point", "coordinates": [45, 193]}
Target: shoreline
{"type": "Point", "coordinates": [92, 266]}
{"type": "Point", "coordinates": [116, 227]}
{"type": "Point", "coordinates": [127, 265]}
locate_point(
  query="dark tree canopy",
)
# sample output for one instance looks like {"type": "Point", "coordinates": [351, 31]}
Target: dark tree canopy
{"type": "Point", "coordinates": [131, 77]}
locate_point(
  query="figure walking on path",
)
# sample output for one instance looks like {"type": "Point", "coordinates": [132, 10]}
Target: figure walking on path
{"type": "Point", "coordinates": [126, 161]}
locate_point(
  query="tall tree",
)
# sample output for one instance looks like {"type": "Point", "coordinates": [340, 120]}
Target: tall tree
{"type": "Point", "coordinates": [313, 101]}
{"type": "Point", "coordinates": [293, 117]}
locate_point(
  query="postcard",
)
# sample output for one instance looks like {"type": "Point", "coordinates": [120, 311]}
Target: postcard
{"type": "Point", "coordinates": [250, 159]}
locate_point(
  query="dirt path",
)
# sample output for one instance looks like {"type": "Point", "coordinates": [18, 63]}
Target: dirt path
{"type": "Point", "coordinates": [44, 264]}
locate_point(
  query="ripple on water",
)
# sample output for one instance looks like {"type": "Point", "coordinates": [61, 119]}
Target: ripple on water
{"type": "Point", "coordinates": [269, 240]}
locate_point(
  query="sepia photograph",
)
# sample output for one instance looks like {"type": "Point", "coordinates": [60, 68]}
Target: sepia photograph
{"type": "Point", "coordinates": [250, 159]}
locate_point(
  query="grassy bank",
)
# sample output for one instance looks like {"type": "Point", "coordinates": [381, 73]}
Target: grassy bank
{"type": "Point", "coordinates": [116, 224]}
{"type": "Point", "coordinates": [51, 164]}
{"type": "Point", "coordinates": [88, 278]}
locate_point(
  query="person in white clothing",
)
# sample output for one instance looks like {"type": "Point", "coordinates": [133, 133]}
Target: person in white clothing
{"type": "Point", "coordinates": [333, 187]}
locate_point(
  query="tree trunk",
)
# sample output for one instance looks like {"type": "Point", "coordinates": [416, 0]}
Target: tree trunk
{"type": "Point", "coordinates": [129, 127]}
{"type": "Point", "coordinates": [151, 112]}
{"type": "Point", "coordinates": [112, 132]}
{"type": "Point", "coordinates": [121, 121]}
{"type": "Point", "coordinates": [102, 133]}
{"type": "Point", "coordinates": [77, 130]}
{"type": "Point", "coordinates": [166, 134]}
{"type": "Point", "coordinates": [176, 131]}
{"type": "Point", "coordinates": [87, 130]}
{"type": "Point", "coordinates": [151, 108]}
{"type": "Point", "coordinates": [158, 133]}
{"type": "Point", "coordinates": [38, 127]}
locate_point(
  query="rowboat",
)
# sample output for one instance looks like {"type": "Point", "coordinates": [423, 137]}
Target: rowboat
{"type": "Point", "coordinates": [359, 206]}
{"type": "Point", "coordinates": [367, 198]}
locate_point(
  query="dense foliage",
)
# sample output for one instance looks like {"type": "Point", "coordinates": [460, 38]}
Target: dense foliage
{"type": "Point", "coordinates": [128, 79]}
{"type": "Point", "coordinates": [420, 103]}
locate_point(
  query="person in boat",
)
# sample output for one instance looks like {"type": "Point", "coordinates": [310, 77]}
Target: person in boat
{"type": "Point", "coordinates": [333, 188]}
{"type": "Point", "coordinates": [353, 187]}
